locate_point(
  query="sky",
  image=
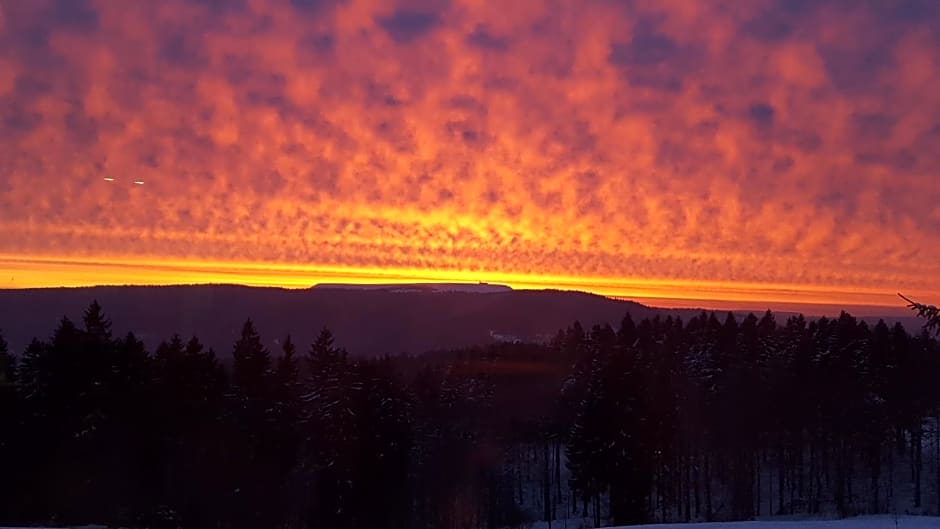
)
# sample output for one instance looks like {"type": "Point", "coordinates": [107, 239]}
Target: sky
{"type": "Point", "coordinates": [699, 152]}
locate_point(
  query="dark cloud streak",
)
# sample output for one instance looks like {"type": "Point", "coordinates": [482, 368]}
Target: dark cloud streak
{"type": "Point", "coordinates": [406, 25]}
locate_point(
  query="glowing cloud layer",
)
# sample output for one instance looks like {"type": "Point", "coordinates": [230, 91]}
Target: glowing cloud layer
{"type": "Point", "coordinates": [767, 150]}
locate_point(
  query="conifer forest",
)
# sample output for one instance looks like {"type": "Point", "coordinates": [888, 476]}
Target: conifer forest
{"type": "Point", "coordinates": [719, 417]}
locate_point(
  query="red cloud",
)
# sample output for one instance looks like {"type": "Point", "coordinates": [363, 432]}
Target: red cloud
{"type": "Point", "coordinates": [659, 148]}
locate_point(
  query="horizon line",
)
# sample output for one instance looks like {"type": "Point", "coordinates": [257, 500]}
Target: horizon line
{"type": "Point", "coordinates": [30, 272]}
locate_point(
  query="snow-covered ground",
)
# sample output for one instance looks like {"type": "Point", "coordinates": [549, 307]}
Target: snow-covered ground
{"type": "Point", "coordinates": [862, 522]}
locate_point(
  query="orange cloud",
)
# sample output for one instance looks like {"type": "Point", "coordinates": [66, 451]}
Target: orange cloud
{"type": "Point", "coordinates": [759, 152]}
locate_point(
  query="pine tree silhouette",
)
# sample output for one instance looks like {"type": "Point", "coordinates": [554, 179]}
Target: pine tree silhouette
{"type": "Point", "coordinates": [251, 363]}
{"type": "Point", "coordinates": [287, 373]}
{"type": "Point", "coordinates": [96, 323]}
{"type": "Point", "coordinates": [7, 364]}
{"type": "Point", "coordinates": [717, 418]}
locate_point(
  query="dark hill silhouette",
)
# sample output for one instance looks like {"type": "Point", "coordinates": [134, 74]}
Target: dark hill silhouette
{"type": "Point", "coordinates": [365, 321]}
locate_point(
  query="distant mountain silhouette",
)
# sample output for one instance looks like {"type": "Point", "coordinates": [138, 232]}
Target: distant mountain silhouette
{"type": "Point", "coordinates": [479, 288]}
{"type": "Point", "coordinates": [371, 320]}
{"type": "Point", "coordinates": [367, 321]}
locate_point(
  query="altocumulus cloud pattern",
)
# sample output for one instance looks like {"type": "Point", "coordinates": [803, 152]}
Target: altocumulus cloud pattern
{"type": "Point", "coordinates": [777, 150]}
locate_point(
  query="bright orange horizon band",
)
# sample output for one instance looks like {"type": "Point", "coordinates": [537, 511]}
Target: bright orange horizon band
{"type": "Point", "coordinates": [45, 272]}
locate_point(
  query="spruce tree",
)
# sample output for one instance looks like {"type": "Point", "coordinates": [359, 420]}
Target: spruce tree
{"type": "Point", "coordinates": [7, 364]}
{"type": "Point", "coordinates": [330, 420]}
{"type": "Point", "coordinates": [251, 363]}
{"type": "Point", "coordinates": [325, 362]}
{"type": "Point", "coordinates": [11, 437]}
{"type": "Point", "coordinates": [205, 375]}
{"type": "Point", "coordinates": [97, 324]}
{"type": "Point", "coordinates": [287, 372]}
{"type": "Point", "coordinates": [287, 402]}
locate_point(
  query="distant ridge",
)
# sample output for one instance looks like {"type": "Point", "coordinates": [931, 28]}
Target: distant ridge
{"type": "Point", "coordinates": [477, 288]}
{"type": "Point", "coordinates": [366, 319]}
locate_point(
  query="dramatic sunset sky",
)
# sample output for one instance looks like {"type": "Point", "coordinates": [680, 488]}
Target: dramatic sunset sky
{"type": "Point", "coordinates": [700, 151]}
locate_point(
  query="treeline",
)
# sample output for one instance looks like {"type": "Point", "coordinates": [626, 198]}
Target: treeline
{"type": "Point", "coordinates": [658, 420]}
{"type": "Point", "coordinates": [734, 419]}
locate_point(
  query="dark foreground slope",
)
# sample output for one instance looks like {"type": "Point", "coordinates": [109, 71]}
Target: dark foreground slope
{"type": "Point", "coordinates": [365, 321]}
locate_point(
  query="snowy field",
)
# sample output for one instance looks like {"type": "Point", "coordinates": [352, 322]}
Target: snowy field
{"type": "Point", "coordinates": [862, 522]}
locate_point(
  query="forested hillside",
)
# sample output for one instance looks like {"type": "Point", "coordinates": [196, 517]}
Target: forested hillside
{"type": "Point", "coordinates": [713, 418]}
{"type": "Point", "coordinates": [370, 321]}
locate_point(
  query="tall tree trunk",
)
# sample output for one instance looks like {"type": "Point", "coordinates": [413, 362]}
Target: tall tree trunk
{"type": "Point", "coordinates": [889, 494]}
{"type": "Point", "coordinates": [840, 480]}
{"type": "Point", "coordinates": [770, 490]}
{"type": "Point", "coordinates": [520, 479]}
{"type": "Point", "coordinates": [756, 479]}
{"type": "Point", "coordinates": [662, 492]}
{"type": "Point", "coordinates": [759, 496]}
{"type": "Point", "coordinates": [698, 487]}
{"type": "Point", "coordinates": [688, 487]}
{"type": "Point", "coordinates": [917, 439]}
{"type": "Point", "coordinates": [796, 475]}
{"type": "Point", "coordinates": [811, 477]}
{"type": "Point", "coordinates": [936, 444]}
{"type": "Point", "coordinates": [523, 473]}
{"type": "Point", "coordinates": [678, 480]}
{"type": "Point", "coordinates": [781, 478]}
{"type": "Point", "coordinates": [849, 463]}
{"type": "Point", "coordinates": [875, 466]}
{"type": "Point", "coordinates": [817, 475]}
{"type": "Point", "coordinates": [597, 509]}
{"type": "Point", "coordinates": [557, 471]}
{"type": "Point", "coordinates": [708, 491]}
{"type": "Point", "coordinates": [800, 449]}
{"type": "Point", "coordinates": [546, 484]}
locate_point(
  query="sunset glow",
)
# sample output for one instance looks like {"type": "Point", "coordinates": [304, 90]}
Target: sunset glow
{"type": "Point", "coordinates": [751, 153]}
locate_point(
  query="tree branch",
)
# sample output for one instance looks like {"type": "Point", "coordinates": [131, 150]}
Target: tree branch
{"type": "Point", "coordinates": [930, 313]}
